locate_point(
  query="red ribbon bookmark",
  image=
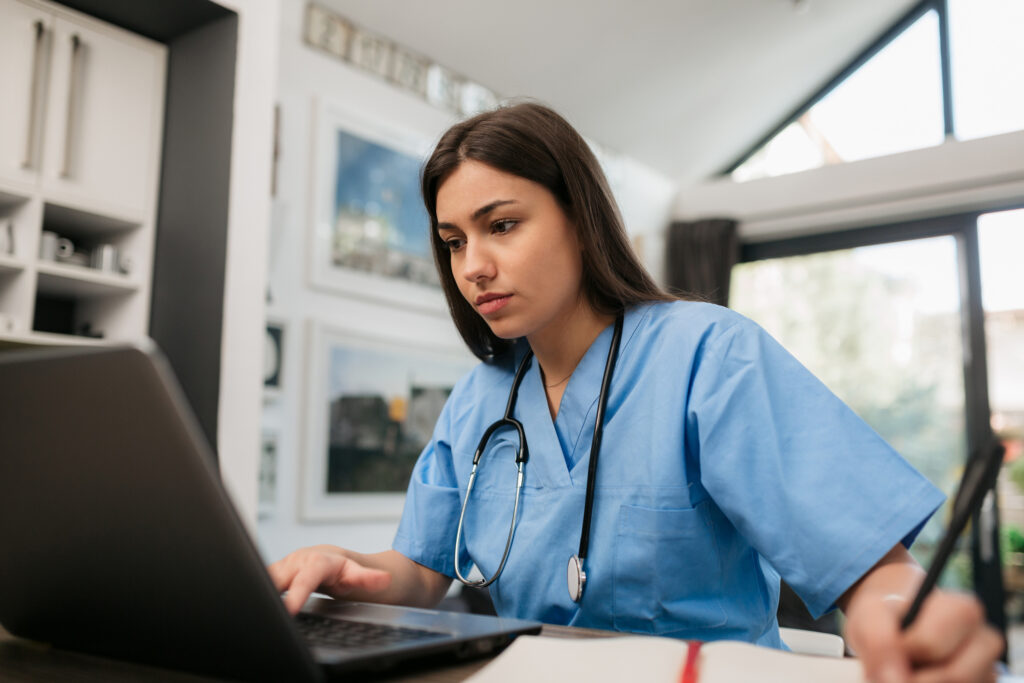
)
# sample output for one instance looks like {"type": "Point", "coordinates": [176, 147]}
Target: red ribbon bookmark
{"type": "Point", "coordinates": [690, 668]}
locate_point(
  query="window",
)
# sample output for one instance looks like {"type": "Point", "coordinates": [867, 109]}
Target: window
{"type": "Point", "coordinates": [1001, 252]}
{"type": "Point", "coordinates": [880, 325]}
{"type": "Point", "coordinates": [891, 319]}
{"type": "Point", "coordinates": [891, 99]}
{"type": "Point", "coordinates": [893, 103]}
{"type": "Point", "coordinates": [987, 66]}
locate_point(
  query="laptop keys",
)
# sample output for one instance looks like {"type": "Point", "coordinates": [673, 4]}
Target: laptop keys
{"type": "Point", "coordinates": [334, 633]}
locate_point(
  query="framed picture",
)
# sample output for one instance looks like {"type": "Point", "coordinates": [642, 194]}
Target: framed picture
{"type": "Point", "coordinates": [268, 476]}
{"type": "Point", "coordinates": [370, 234]}
{"type": "Point", "coordinates": [273, 357]}
{"type": "Point", "coordinates": [371, 409]}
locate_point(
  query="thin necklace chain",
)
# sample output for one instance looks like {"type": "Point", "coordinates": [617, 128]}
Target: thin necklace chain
{"type": "Point", "coordinates": [551, 386]}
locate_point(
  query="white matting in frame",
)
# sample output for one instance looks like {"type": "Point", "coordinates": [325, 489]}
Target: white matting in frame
{"type": "Point", "coordinates": [371, 406]}
{"type": "Point", "coordinates": [369, 233]}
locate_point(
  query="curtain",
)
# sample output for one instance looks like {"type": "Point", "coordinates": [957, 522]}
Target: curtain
{"type": "Point", "coordinates": [700, 256]}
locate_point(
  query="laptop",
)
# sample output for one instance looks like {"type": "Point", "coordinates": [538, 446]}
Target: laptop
{"type": "Point", "coordinates": [118, 539]}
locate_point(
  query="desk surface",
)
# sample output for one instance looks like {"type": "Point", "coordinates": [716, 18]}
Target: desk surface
{"type": "Point", "coordinates": [23, 661]}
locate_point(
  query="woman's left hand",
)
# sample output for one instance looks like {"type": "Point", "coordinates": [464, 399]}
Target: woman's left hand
{"type": "Point", "coordinates": [949, 640]}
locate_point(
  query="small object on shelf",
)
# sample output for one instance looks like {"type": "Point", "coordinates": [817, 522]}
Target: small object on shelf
{"type": "Point", "coordinates": [48, 245]}
{"type": "Point", "coordinates": [65, 249]}
{"type": "Point", "coordinates": [104, 258]}
{"type": "Point", "coordinates": [75, 258]}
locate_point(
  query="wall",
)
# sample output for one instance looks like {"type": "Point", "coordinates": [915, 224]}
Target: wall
{"type": "Point", "coordinates": [306, 75]}
{"type": "Point", "coordinates": [238, 438]}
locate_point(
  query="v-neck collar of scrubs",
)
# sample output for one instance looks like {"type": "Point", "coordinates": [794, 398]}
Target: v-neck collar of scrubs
{"type": "Point", "coordinates": [571, 432]}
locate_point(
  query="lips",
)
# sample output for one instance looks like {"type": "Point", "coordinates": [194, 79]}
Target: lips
{"type": "Point", "coordinates": [488, 304]}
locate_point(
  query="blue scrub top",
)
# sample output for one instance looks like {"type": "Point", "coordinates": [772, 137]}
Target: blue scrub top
{"type": "Point", "coordinates": [724, 464]}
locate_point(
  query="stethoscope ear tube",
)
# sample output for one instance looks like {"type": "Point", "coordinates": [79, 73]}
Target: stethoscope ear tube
{"type": "Point", "coordinates": [483, 583]}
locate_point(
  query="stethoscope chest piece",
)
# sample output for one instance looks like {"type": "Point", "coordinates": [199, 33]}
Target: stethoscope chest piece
{"type": "Point", "coordinates": [576, 577]}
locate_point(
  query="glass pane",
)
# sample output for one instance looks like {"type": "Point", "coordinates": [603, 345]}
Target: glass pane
{"type": "Point", "coordinates": [987, 57]}
{"type": "Point", "coordinates": [893, 103]}
{"type": "Point", "coordinates": [1001, 244]}
{"type": "Point", "coordinates": [790, 151]}
{"type": "Point", "coordinates": [880, 325]}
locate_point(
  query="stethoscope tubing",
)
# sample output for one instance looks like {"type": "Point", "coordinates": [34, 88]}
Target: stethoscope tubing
{"type": "Point", "coordinates": [595, 444]}
{"type": "Point", "coordinates": [523, 456]}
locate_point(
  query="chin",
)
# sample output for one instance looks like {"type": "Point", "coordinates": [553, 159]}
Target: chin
{"type": "Point", "coordinates": [505, 329]}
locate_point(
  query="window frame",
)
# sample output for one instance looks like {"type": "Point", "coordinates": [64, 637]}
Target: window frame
{"type": "Point", "coordinates": [889, 35]}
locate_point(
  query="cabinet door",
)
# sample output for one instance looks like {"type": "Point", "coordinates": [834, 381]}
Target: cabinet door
{"type": "Point", "coordinates": [104, 119]}
{"type": "Point", "coordinates": [24, 51]}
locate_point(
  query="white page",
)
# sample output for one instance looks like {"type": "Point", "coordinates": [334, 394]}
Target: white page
{"type": "Point", "coordinates": [535, 659]}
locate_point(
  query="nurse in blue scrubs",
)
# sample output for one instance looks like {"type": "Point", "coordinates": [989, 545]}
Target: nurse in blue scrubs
{"type": "Point", "coordinates": [673, 460]}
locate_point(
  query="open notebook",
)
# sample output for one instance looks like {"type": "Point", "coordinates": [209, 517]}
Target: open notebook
{"type": "Point", "coordinates": [630, 658]}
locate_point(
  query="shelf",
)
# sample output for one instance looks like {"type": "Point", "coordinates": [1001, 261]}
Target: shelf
{"type": "Point", "coordinates": [56, 279]}
{"type": "Point", "coordinates": [10, 265]}
{"type": "Point", "coordinates": [11, 341]}
{"type": "Point", "coordinates": [9, 197]}
{"type": "Point", "coordinates": [72, 221]}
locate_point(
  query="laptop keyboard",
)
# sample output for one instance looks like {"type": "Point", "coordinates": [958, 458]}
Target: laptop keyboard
{"type": "Point", "coordinates": [357, 635]}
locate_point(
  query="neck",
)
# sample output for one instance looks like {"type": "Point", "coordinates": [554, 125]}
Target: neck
{"type": "Point", "coordinates": [560, 346]}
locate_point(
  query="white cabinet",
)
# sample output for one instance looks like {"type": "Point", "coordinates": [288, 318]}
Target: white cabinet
{"type": "Point", "coordinates": [103, 116]}
{"type": "Point", "coordinates": [80, 137]}
{"type": "Point", "coordinates": [23, 66]}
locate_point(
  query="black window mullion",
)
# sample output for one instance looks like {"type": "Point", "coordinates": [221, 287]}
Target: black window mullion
{"type": "Point", "coordinates": [942, 7]}
{"type": "Point", "coordinates": [849, 239]}
{"type": "Point", "coordinates": [988, 577]}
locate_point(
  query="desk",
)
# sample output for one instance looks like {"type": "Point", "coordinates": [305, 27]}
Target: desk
{"type": "Point", "coordinates": [22, 661]}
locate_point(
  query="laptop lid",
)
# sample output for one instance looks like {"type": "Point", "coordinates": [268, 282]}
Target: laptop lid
{"type": "Point", "coordinates": [117, 537]}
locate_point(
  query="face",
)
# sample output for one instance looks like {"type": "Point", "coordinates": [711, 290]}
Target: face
{"type": "Point", "coordinates": [515, 255]}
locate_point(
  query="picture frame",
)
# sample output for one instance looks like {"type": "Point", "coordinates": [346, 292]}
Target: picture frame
{"type": "Point", "coordinates": [370, 410]}
{"type": "Point", "coordinates": [369, 236]}
{"type": "Point", "coordinates": [267, 496]}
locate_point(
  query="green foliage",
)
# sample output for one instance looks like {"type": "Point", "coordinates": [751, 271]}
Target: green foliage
{"type": "Point", "coordinates": [1016, 472]}
{"type": "Point", "coordinates": [1011, 539]}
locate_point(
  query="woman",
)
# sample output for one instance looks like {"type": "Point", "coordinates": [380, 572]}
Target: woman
{"type": "Point", "coordinates": [723, 463]}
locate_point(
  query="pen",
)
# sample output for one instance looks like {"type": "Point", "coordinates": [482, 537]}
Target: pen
{"type": "Point", "coordinates": [979, 476]}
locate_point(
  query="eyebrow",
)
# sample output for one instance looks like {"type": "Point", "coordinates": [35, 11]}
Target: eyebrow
{"type": "Point", "coordinates": [479, 213]}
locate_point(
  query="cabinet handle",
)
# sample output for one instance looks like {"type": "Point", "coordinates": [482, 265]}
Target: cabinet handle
{"type": "Point", "coordinates": [33, 102]}
{"type": "Point", "coordinates": [76, 45]}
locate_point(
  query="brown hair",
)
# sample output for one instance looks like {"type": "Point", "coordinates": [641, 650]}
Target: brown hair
{"type": "Point", "coordinates": [533, 142]}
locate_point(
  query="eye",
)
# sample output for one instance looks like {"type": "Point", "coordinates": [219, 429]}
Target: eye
{"type": "Point", "coordinates": [504, 225]}
{"type": "Point", "coordinates": [454, 243]}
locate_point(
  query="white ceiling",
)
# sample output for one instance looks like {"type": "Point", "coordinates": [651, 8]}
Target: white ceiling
{"type": "Point", "coordinates": [683, 86]}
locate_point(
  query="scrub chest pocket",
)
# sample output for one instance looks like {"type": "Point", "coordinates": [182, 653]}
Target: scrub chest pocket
{"type": "Point", "coordinates": [668, 575]}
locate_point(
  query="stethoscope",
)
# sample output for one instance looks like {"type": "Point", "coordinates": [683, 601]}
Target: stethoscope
{"type": "Point", "coordinates": [575, 575]}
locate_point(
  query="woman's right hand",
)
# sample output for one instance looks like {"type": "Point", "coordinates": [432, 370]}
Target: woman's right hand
{"type": "Point", "coordinates": [323, 569]}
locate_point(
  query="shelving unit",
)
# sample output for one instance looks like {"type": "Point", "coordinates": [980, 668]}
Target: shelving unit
{"type": "Point", "coordinates": [80, 140]}
{"type": "Point", "coordinates": [10, 265]}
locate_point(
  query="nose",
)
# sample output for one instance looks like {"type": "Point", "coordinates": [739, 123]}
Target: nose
{"type": "Point", "coordinates": [478, 263]}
